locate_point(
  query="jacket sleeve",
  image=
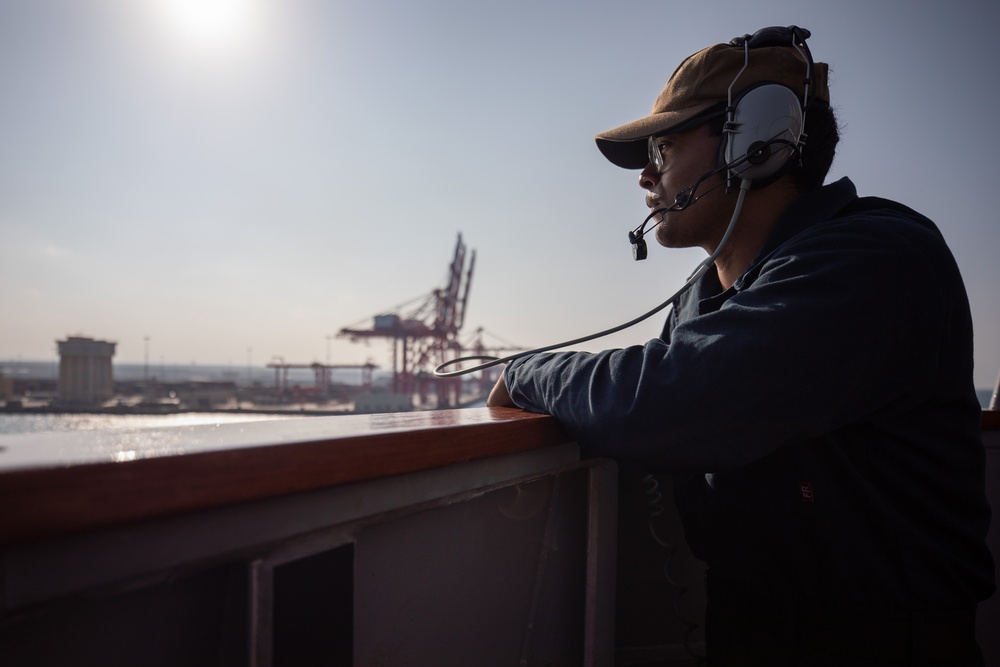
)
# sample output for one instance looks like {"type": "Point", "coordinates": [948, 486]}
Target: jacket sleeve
{"type": "Point", "coordinates": [845, 321]}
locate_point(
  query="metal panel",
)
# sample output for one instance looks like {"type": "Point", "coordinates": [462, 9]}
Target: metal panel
{"type": "Point", "coordinates": [497, 578]}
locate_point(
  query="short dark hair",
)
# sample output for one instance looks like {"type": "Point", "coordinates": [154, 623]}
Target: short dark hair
{"type": "Point", "coordinates": [822, 134]}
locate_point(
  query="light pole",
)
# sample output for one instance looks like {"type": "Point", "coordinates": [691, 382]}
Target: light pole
{"type": "Point", "coordinates": [145, 374]}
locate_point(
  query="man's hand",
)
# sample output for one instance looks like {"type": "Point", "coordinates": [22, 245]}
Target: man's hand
{"type": "Point", "coordinates": [499, 397]}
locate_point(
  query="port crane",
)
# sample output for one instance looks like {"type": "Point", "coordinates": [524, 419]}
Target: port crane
{"type": "Point", "coordinates": [322, 373]}
{"type": "Point", "coordinates": [425, 332]}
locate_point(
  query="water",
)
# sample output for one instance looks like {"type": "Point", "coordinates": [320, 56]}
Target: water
{"type": "Point", "coordinates": [43, 423]}
{"type": "Point", "coordinates": [160, 372]}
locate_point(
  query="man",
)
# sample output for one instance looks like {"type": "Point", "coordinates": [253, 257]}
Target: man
{"type": "Point", "coordinates": [811, 392]}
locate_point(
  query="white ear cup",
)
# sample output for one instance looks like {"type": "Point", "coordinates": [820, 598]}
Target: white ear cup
{"type": "Point", "coordinates": [765, 127]}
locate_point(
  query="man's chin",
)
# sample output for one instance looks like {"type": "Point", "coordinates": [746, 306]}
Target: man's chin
{"type": "Point", "coordinates": [664, 237]}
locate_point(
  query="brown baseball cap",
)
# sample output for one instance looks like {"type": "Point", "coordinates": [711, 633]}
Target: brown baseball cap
{"type": "Point", "coordinates": [698, 86]}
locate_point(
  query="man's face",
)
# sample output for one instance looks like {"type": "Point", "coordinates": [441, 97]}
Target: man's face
{"type": "Point", "coordinates": [687, 156]}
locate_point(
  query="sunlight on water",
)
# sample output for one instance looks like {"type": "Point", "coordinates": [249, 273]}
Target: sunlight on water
{"type": "Point", "coordinates": [42, 423]}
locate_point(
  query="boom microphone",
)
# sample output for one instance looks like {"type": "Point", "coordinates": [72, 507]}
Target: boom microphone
{"type": "Point", "coordinates": [683, 199]}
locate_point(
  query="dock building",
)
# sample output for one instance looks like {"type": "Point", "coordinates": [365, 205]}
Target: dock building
{"type": "Point", "coordinates": [85, 370]}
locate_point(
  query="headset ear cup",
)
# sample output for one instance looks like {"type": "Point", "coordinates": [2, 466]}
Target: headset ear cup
{"type": "Point", "coordinates": [763, 132]}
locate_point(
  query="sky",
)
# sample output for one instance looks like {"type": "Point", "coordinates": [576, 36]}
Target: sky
{"type": "Point", "coordinates": [229, 181]}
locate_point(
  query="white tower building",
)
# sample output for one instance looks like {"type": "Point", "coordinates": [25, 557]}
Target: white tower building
{"type": "Point", "coordinates": [85, 370]}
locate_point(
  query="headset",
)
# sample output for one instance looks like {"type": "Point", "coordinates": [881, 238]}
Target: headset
{"type": "Point", "coordinates": [764, 130]}
{"type": "Point", "coordinates": [768, 114]}
{"type": "Point", "coordinates": [763, 133]}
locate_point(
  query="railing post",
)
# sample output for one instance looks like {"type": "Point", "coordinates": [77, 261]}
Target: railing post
{"type": "Point", "coordinates": [260, 612]}
{"type": "Point", "coordinates": [602, 545]}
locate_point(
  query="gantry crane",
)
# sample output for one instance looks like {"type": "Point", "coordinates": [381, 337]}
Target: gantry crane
{"type": "Point", "coordinates": [321, 373]}
{"type": "Point", "coordinates": [424, 332]}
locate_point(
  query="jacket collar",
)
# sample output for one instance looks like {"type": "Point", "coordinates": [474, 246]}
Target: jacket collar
{"type": "Point", "coordinates": [811, 208]}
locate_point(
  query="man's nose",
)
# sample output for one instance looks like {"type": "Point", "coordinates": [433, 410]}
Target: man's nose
{"type": "Point", "coordinates": [648, 177]}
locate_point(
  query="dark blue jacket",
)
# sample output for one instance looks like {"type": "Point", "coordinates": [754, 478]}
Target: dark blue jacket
{"type": "Point", "coordinates": [819, 415]}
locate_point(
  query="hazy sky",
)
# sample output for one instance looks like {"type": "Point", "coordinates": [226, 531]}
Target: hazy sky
{"type": "Point", "coordinates": [233, 175]}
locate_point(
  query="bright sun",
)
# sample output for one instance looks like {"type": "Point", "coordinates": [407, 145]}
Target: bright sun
{"type": "Point", "coordinates": [214, 26]}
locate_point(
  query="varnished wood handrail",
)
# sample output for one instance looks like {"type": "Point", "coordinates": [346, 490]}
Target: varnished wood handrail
{"type": "Point", "coordinates": [57, 483]}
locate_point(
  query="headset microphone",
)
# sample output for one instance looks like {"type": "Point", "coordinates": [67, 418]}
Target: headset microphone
{"type": "Point", "coordinates": [682, 200]}
{"type": "Point", "coordinates": [639, 249]}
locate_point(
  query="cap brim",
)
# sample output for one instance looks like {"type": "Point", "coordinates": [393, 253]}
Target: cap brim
{"type": "Point", "coordinates": [625, 146]}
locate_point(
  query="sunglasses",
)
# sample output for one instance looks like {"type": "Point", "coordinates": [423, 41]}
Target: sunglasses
{"type": "Point", "coordinates": [655, 156]}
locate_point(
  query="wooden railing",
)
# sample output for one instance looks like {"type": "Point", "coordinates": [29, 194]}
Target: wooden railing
{"type": "Point", "coordinates": [58, 483]}
{"type": "Point", "coordinates": [451, 537]}
{"type": "Point", "coordinates": [473, 536]}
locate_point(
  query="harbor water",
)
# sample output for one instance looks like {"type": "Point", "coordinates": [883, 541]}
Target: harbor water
{"type": "Point", "coordinates": [47, 423]}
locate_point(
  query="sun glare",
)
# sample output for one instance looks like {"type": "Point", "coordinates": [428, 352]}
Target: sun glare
{"type": "Point", "coordinates": [211, 26]}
